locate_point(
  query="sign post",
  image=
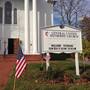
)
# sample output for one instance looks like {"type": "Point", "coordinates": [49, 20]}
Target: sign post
{"type": "Point", "coordinates": [58, 40]}
{"type": "Point", "coordinates": [77, 64]}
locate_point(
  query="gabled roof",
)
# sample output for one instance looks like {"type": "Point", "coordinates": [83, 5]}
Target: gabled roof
{"type": "Point", "coordinates": [60, 27]}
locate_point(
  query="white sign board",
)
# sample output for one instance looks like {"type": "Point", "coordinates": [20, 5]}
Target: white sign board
{"type": "Point", "coordinates": [61, 41]}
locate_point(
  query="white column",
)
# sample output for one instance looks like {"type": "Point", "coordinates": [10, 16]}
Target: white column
{"type": "Point", "coordinates": [77, 64]}
{"type": "Point", "coordinates": [39, 37]}
{"type": "Point", "coordinates": [34, 2]}
{"type": "Point", "coordinates": [26, 6]}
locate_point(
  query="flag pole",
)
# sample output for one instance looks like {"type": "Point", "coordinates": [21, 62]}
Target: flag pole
{"type": "Point", "coordinates": [14, 83]}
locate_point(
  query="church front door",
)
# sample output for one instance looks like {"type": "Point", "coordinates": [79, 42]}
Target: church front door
{"type": "Point", "coordinates": [13, 45]}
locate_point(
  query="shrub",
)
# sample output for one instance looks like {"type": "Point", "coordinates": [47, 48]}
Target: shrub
{"type": "Point", "coordinates": [41, 67]}
{"type": "Point", "coordinates": [68, 78]}
{"type": "Point", "coordinates": [86, 75]}
{"type": "Point", "coordinates": [54, 74]}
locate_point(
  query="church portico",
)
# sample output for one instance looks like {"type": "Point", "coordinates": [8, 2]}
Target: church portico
{"type": "Point", "coordinates": [22, 20]}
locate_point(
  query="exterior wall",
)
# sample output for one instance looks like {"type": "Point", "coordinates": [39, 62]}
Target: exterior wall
{"type": "Point", "coordinates": [44, 11]}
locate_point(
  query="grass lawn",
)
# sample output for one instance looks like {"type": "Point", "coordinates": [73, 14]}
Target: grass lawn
{"type": "Point", "coordinates": [35, 77]}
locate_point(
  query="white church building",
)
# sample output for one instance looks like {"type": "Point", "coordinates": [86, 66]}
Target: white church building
{"type": "Point", "coordinates": [20, 21]}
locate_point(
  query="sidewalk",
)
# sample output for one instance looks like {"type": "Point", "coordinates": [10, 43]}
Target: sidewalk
{"type": "Point", "coordinates": [5, 68]}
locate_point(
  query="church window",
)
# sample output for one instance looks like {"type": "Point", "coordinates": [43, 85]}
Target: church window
{"type": "Point", "coordinates": [8, 12]}
{"type": "Point", "coordinates": [15, 16]}
{"type": "Point", "coordinates": [1, 14]}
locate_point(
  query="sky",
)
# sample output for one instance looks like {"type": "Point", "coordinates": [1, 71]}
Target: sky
{"type": "Point", "coordinates": [57, 16]}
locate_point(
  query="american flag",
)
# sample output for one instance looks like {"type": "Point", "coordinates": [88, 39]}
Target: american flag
{"type": "Point", "coordinates": [20, 63]}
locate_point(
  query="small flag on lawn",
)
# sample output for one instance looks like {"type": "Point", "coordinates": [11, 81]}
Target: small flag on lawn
{"type": "Point", "coordinates": [20, 63]}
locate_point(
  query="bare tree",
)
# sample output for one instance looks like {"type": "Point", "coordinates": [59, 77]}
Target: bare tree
{"type": "Point", "coordinates": [70, 10]}
{"type": "Point", "coordinates": [85, 26]}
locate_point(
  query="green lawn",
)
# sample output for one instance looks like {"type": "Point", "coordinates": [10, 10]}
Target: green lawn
{"type": "Point", "coordinates": [35, 77]}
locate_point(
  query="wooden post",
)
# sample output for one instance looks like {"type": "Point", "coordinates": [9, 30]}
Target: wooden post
{"type": "Point", "coordinates": [14, 83]}
{"type": "Point", "coordinates": [77, 64]}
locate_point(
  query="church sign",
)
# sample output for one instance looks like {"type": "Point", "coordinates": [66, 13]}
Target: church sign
{"type": "Point", "coordinates": [58, 41]}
